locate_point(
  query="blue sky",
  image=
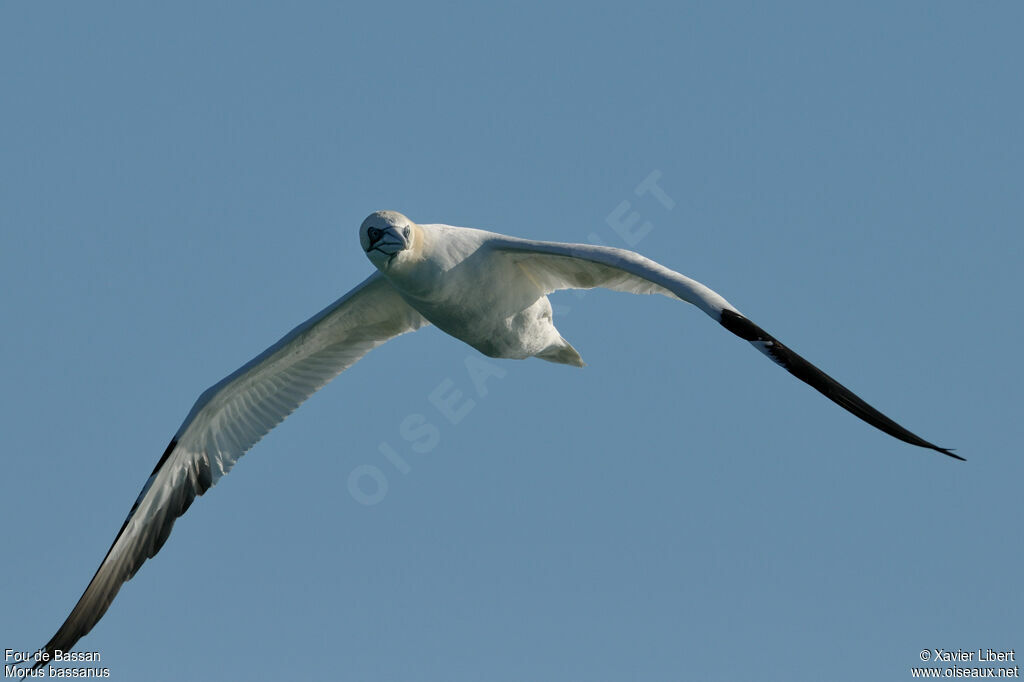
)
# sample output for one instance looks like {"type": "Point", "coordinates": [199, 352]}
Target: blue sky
{"type": "Point", "coordinates": [180, 185]}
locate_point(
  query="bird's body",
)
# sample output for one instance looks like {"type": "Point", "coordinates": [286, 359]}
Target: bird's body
{"type": "Point", "coordinates": [474, 292]}
{"type": "Point", "coordinates": [483, 288]}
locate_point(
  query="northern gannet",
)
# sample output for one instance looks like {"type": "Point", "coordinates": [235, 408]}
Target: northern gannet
{"type": "Point", "coordinates": [485, 289]}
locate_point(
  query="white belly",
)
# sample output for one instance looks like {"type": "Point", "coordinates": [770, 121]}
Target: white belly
{"type": "Point", "coordinates": [486, 301]}
{"type": "Point", "coordinates": [500, 333]}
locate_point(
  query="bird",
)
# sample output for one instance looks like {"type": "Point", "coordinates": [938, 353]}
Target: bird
{"type": "Point", "coordinates": [486, 289]}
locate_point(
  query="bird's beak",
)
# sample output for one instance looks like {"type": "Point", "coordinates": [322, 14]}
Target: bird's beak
{"type": "Point", "coordinates": [388, 248]}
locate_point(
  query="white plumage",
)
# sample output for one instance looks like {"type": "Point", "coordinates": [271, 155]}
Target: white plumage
{"type": "Point", "coordinates": [483, 288]}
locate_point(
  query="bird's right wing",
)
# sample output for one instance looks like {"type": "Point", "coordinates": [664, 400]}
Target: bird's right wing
{"type": "Point", "coordinates": [553, 266]}
{"type": "Point", "coordinates": [228, 419]}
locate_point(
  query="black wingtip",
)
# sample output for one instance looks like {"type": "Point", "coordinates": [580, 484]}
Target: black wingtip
{"type": "Point", "coordinates": [946, 451]}
{"type": "Point", "coordinates": [821, 382]}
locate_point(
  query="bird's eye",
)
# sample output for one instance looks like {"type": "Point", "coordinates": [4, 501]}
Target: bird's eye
{"type": "Point", "coordinates": [406, 232]}
{"type": "Point", "coordinates": [373, 233]}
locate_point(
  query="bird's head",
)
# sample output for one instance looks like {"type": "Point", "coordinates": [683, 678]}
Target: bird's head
{"type": "Point", "coordinates": [385, 235]}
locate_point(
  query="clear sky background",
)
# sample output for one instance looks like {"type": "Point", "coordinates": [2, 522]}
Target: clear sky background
{"type": "Point", "coordinates": [182, 184]}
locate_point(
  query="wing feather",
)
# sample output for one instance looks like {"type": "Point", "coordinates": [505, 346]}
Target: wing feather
{"type": "Point", "coordinates": [557, 266]}
{"type": "Point", "coordinates": [228, 419]}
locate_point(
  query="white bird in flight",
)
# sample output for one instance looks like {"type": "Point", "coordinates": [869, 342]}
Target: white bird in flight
{"type": "Point", "coordinates": [485, 289]}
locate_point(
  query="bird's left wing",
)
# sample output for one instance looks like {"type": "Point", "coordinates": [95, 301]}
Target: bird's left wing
{"type": "Point", "coordinates": [553, 266]}
{"type": "Point", "coordinates": [228, 419]}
